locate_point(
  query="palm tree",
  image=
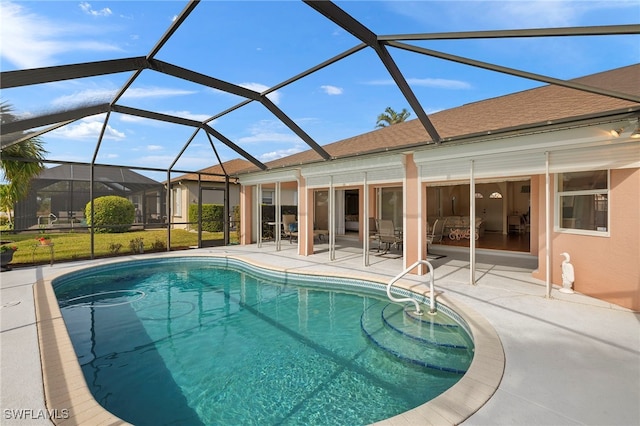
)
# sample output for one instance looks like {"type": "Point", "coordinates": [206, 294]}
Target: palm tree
{"type": "Point", "coordinates": [390, 117]}
{"type": "Point", "coordinates": [19, 163]}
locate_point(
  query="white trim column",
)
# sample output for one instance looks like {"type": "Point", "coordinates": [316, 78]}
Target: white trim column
{"type": "Point", "coordinates": [259, 215]}
{"type": "Point", "coordinates": [422, 232]}
{"type": "Point", "coordinates": [332, 220]}
{"type": "Point", "coordinates": [365, 216]}
{"type": "Point", "coordinates": [472, 226]}
{"type": "Point", "coordinates": [547, 220]}
{"type": "Point", "coordinates": [339, 211]}
{"type": "Point", "coordinates": [278, 218]}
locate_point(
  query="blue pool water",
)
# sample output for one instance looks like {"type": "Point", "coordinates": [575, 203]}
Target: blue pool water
{"type": "Point", "coordinates": [214, 341]}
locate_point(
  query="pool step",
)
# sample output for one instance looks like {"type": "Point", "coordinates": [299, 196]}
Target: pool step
{"type": "Point", "coordinates": [439, 330]}
{"type": "Point", "coordinates": [430, 341]}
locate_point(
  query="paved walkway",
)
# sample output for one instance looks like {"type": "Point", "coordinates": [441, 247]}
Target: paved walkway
{"type": "Point", "coordinates": [570, 359]}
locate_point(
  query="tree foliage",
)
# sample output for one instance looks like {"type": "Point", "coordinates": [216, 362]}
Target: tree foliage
{"type": "Point", "coordinates": [20, 162]}
{"type": "Point", "coordinates": [390, 117]}
{"type": "Point", "coordinates": [111, 214]}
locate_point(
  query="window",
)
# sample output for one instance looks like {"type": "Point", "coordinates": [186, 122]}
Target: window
{"type": "Point", "coordinates": [267, 197]}
{"type": "Point", "coordinates": [177, 202]}
{"type": "Point", "coordinates": [583, 201]}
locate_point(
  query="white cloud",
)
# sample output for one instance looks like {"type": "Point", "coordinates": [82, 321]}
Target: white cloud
{"type": "Point", "coordinates": [332, 90]}
{"type": "Point", "coordinates": [132, 118]}
{"type": "Point", "coordinates": [155, 148]}
{"type": "Point", "coordinates": [274, 155]}
{"type": "Point", "coordinates": [269, 131]}
{"type": "Point", "coordinates": [440, 83]}
{"type": "Point", "coordinates": [87, 129]}
{"type": "Point", "coordinates": [273, 134]}
{"type": "Point", "coordinates": [36, 41]}
{"type": "Point", "coordinates": [86, 8]}
{"type": "Point", "coordinates": [85, 97]}
{"type": "Point", "coordinates": [187, 114]}
{"type": "Point", "coordinates": [258, 87]}
{"type": "Point", "coordinates": [155, 92]}
{"type": "Point", "coordinates": [268, 137]}
{"type": "Point", "coordinates": [97, 96]}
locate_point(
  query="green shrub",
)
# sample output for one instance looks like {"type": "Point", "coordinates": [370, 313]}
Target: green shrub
{"type": "Point", "coordinates": [111, 214]}
{"type": "Point", "coordinates": [158, 245]}
{"type": "Point", "coordinates": [136, 245]}
{"type": "Point", "coordinates": [212, 216]}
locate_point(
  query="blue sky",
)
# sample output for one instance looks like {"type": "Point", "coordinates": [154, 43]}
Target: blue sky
{"type": "Point", "coordinates": [260, 44]}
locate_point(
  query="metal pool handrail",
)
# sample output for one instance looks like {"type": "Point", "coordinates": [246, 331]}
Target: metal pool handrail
{"type": "Point", "coordinates": [432, 298]}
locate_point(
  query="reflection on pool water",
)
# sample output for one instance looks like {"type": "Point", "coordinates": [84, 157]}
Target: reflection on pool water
{"type": "Point", "coordinates": [216, 341]}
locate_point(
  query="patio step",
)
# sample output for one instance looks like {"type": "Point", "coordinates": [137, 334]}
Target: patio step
{"type": "Point", "coordinates": [434, 342]}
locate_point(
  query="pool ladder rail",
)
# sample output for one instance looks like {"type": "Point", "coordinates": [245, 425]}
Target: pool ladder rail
{"type": "Point", "coordinates": [432, 297]}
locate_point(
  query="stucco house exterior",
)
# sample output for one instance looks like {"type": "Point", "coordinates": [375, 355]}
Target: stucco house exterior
{"type": "Point", "coordinates": [207, 185]}
{"type": "Point", "coordinates": [566, 161]}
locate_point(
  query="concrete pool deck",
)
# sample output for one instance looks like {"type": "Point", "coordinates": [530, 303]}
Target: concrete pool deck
{"type": "Point", "coordinates": [570, 359]}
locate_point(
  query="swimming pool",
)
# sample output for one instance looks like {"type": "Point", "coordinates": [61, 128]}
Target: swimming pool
{"type": "Point", "coordinates": [214, 341]}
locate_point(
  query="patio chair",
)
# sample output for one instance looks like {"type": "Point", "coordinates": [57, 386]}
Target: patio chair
{"type": "Point", "coordinates": [373, 231]}
{"type": "Point", "coordinates": [290, 226]}
{"type": "Point", "coordinates": [435, 236]}
{"type": "Point", "coordinates": [373, 227]}
{"type": "Point", "coordinates": [387, 235]}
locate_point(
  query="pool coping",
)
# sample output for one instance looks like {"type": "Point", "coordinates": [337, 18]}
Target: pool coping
{"type": "Point", "coordinates": [66, 391]}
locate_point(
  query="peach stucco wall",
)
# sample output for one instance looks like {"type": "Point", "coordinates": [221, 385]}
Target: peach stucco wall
{"type": "Point", "coordinates": [305, 218]}
{"type": "Point", "coordinates": [246, 214]}
{"type": "Point", "coordinates": [605, 267]}
{"type": "Point", "coordinates": [414, 237]}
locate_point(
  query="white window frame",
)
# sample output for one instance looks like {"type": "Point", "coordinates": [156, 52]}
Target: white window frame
{"type": "Point", "coordinates": [558, 206]}
{"type": "Point", "coordinates": [177, 202]}
{"type": "Point", "coordinates": [268, 194]}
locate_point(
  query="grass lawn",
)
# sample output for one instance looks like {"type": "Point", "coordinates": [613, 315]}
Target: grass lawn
{"type": "Point", "coordinates": [76, 246]}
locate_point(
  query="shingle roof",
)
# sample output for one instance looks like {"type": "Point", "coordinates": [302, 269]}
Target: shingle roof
{"type": "Point", "coordinates": [527, 108]}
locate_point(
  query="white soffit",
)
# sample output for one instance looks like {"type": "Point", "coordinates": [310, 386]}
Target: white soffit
{"type": "Point", "coordinates": [379, 169]}
{"type": "Point", "coordinates": [269, 176]}
{"type": "Point", "coordinates": [582, 148]}
{"type": "Point", "coordinates": [623, 155]}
